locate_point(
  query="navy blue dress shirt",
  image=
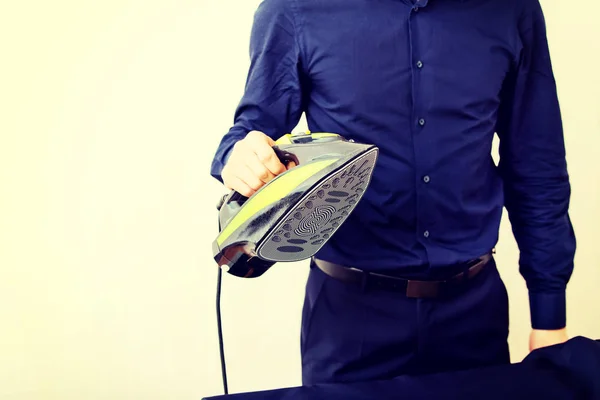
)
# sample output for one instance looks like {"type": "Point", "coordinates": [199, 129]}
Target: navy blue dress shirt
{"type": "Point", "coordinates": [430, 82]}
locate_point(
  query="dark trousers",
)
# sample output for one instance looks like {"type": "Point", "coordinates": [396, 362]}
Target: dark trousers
{"type": "Point", "coordinates": [352, 333]}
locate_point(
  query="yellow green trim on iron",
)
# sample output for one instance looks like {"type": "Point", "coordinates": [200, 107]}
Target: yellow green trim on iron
{"type": "Point", "coordinates": [280, 187]}
{"type": "Point", "coordinates": [285, 139]}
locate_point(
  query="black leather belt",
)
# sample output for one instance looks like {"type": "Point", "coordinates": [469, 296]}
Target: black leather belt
{"type": "Point", "coordinates": [411, 288]}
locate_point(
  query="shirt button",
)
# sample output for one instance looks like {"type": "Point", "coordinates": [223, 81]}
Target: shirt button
{"type": "Point", "coordinates": [426, 234]}
{"type": "Point", "coordinates": [419, 64]}
{"type": "Point", "coordinates": [421, 122]}
{"type": "Point", "coordinates": [426, 179]}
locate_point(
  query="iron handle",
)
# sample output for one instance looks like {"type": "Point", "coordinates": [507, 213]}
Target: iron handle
{"type": "Point", "coordinates": [234, 200]}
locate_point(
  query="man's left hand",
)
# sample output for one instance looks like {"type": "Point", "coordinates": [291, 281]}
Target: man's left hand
{"type": "Point", "coordinates": [543, 338]}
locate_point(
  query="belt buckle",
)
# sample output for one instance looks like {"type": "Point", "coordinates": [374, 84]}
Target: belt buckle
{"type": "Point", "coordinates": [422, 289]}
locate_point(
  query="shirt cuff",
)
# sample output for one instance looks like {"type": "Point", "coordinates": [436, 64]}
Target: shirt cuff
{"type": "Point", "coordinates": [218, 164]}
{"type": "Point", "coordinates": [548, 310]}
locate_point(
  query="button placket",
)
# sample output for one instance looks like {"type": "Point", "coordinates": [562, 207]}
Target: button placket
{"type": "Point", "coordinates": [420, 120]}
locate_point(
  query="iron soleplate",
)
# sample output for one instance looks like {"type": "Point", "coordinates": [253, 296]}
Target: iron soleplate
{"type": "Point", "coordinates": [319, 213]}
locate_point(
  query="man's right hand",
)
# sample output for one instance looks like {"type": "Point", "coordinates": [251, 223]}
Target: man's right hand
{"type": "Point", "coordinates": [252, 163]}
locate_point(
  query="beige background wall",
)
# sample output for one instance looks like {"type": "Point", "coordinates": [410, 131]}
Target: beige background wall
{"type": "Point", "coordinates": [109, 114]}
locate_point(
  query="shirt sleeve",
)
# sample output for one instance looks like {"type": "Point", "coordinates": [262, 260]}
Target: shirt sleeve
{"type": "Point", "coordinates": [272, 102]}
{"type": "Point", "coordinates": [534, 170]}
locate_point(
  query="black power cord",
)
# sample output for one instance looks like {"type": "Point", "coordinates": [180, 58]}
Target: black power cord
{"type": "Point", "coordinates": [219, 325]}
{"type": "Point", "coordinates": [221, 347]}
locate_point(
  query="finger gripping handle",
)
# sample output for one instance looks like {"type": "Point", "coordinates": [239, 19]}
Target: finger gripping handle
{"type": "Point", "coordinates": [235, 199]}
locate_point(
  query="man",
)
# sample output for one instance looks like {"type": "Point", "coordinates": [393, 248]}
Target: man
{"type": "Point", "coordinates": [430, 82]}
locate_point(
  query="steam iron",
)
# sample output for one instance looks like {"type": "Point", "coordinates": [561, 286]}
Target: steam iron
{"type": "Point", "coordinates": [291, 217]}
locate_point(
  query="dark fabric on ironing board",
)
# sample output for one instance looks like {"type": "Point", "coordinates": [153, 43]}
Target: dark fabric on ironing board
{"type": "Point", "coordinates": [564, 372]}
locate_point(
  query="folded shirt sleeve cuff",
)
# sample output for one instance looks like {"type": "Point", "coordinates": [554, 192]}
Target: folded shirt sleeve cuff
{"type": "Point", "coordinates": [548, 310]}
{"type": "Point", "coordinates": [219, 162]}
